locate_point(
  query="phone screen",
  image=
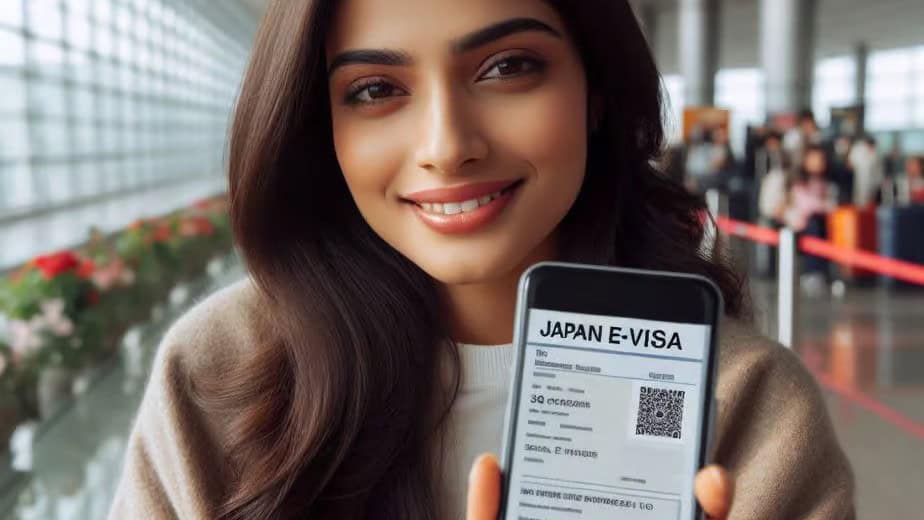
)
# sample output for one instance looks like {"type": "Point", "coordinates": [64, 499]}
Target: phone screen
{"type": "Point", "coordinates": [609, 418]}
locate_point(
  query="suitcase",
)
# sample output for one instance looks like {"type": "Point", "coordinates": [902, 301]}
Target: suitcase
{"type": "Point", "coordinates": [901, 236]}
{"type": "Point", "coordinates": [853, 228]}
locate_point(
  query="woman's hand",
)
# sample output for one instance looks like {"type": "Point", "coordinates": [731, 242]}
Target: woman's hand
{"type": "Point", "coordinates": [713, 487]}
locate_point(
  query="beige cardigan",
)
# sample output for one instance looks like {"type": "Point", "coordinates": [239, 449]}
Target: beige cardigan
{"type": "Point", "coordinates": [773, 432]}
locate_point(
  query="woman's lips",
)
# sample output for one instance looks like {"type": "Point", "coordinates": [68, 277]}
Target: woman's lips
{"type": "Point", "coordinates": [459, 193]}
{"type": "Point", "coordinates": [449, 210]}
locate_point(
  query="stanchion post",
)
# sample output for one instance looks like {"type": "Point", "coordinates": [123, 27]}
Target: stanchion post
{"type": "Point", "coordinates": [788, 290]}
{"type": "Point", "coordinates": [714, 202]}
{"type": "Point", "coordinates": [717, 204]}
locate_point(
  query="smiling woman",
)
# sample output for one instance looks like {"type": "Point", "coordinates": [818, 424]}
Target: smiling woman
{"type": "Point", "coordinates": [395, 167]}
{"type": "Point", "coordinates": [452, 136]}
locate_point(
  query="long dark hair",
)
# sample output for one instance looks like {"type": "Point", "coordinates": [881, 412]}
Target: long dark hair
{"type": "Point", "coordinates": [337, 415]}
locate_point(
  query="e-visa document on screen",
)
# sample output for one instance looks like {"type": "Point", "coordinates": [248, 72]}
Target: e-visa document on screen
{"type": "Point", "coordinates": [608, 421]}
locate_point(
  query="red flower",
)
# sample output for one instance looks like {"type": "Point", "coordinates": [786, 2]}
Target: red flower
{"type": "Point", "coordinates": [86, 269]}
{"type": "Point", "coordinates": [162, 233]}
{"type": "Point", "coordinates": [196, 226]}
{"type": "Point", "coordinates": [93, 297]}
{"type": "Point", "coordinates": [57, 263]}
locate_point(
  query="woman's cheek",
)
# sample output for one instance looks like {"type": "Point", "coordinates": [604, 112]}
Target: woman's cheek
{"type": "Point", "coordinates": [547, 127]}
{"type": "Point", "coordinates": [370, 155]}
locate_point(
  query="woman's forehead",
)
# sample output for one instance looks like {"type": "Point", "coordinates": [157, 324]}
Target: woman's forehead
{"type": "Point", "coordinates": [416, 25]}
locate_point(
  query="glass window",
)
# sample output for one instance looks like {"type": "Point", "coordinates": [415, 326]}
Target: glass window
{"type": "Point", "coordinates": [105, 43]}
{"type": "Point", "coordinates": [11, 14]}
{"type": "Point", "coordinates": [742, 92]}
{"type": "Point", "coordinates": [918, 87]}
{"type": "Point", "coordinates": [14, 138]}
{"type": "Point", "coordinates": [83, 103]}
{"type": "Point", "coordinates": [48, 99]}
{"type": "Point", "coordinates": [46, 58]}
{"type": "Point", "coordinates": [891, 97]}
{"type": "Point", "coordinates": [13, 100]}
{"type": "Point", "coordinates": [17, 187]}
{"type": "Point", "coordinates": [81, 7]}
{"type": "Point", "coordinates": [12, 48]}
{"type": "Point", "coordinates": [84, 139]}
{"type": "Point", "coordinates": [55, 181]}
{"type": "Point", "coordinates": [50, 138]}
{"type": "Point", "coordinates": [116, 92]}
{"type": "Point", "coordinates": [124, 19]}
{"type": "Point", "coordinates": [45, 19]}
{"type": "Point", "coordinates": [835, 86]}
{"type": "Point", "coordinates": [102, 11]}
{"type": "Point", "coordinates": [78, 30]}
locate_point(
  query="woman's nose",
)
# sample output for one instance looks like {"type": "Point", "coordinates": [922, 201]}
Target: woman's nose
{"type": "Point", "coordinates": [450, 134]}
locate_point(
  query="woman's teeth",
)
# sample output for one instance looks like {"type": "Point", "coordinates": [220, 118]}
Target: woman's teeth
{"type": "Point", "coordinates": [453, 208]}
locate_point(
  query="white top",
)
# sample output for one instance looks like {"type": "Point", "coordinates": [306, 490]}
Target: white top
{"type": "Point", "coordinates": [476, 421]}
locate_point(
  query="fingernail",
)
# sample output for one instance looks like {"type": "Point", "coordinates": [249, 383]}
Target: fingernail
{"type": "Point", "coordinates": [471, 473]}
{"type": "Point", "coordinates": [478, 462]}
{"type": "Point", "coordinates": [714, 475]}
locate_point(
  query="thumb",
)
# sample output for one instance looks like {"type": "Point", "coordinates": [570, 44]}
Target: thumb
{"type": "Point", "coordinates": [484, 485]}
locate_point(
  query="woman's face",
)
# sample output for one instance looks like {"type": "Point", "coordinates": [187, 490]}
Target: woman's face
{"type": "Point", "coordinates": [460, 127]}
{"type": "Point", "coordinates": [815, 163]}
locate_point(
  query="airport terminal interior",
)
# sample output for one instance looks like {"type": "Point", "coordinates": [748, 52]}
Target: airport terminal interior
{"type": "Point", "coordinates": [801, 123]}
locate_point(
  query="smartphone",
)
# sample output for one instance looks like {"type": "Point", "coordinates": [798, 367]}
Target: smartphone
{"type": "Point", "coordinates": [611, 407]}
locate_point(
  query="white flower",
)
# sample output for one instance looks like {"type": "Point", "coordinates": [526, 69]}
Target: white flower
{"type": "Point", "coordinates": [21, 446]}
{"type": "Point", "coordinates": [178, 295]}
{"type": "Point", "coordinates": [54, 318]}
{"type": "Point", "coordinates": [215, 267]}
{"type": "Point", "coordinates": [128, 277]}
{"type": "Point", "coordinates": [53, 309]}
{"type": "Point", "coordinates": [23, 338]}
{"type": "Point", "coordinates": [62, 328]}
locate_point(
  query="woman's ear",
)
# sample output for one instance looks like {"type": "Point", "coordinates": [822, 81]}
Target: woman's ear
{"type": "Point", "coordinates": [595, 112]}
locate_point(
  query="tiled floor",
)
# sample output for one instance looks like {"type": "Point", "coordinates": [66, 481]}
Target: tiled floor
{"type": "Point", "coordinates": [867, 348]}
{"type": "Point", "coordinates": [867, 351]}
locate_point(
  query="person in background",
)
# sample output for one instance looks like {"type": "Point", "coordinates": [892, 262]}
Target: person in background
{"type": "Point", "coordinates": [772, 196]}
{"type": "Point", "coordinates": [698, 161]}
{"type": "Point", "coordinates": [812, 197]}
{"type": "Point", "coordinates": [723, 159]}
{"type": "Point", "coordinates": [800, 137]}
{"type": "Point", "coordinates": [867, 167]}
{"type": "Point", "coordinates": [841, 172]}
{"type": "Point", "coordinates": [914, 179]}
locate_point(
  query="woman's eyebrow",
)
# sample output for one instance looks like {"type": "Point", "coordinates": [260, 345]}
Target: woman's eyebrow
{"type": "Point", "coordinates": [462, 45]}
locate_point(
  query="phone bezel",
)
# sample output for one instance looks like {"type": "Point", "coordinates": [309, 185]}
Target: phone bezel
{"type": "Point", "coordinates": [678, 307]}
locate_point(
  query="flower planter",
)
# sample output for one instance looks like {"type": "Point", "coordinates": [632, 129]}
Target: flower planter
{"type": "Point", "coordinates": [55, 387]}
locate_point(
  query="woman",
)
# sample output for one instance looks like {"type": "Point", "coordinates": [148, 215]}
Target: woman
{"type": "Point", "coordinates": [811, 199]}
{"type": "Point", "coordinates": [395, 166]}
{"type": "Point", "coordinates": [914, 178]}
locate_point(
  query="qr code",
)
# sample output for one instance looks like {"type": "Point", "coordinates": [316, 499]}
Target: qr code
{"type": "Point", "coordinates": [660, 412]}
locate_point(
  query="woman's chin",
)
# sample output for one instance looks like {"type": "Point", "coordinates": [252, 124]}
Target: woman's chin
{"type": "Point", "coordinates": [467, 271]}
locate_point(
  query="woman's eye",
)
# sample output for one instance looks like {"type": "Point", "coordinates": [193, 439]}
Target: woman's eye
{"type": "Point", "coordinates": [370, 93]}
{"type": "Point", "coordinates": [511, 67]}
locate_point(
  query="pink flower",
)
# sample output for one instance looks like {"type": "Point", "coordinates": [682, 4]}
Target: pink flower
{"type": "Point", "coordinates": [115, 272]}
{"type": "Point", "coordinates": [54, 318]}
{"type": "Point", "coordinates": [23, 339]}
{"type": "Point", "coordinates": [53, 310]}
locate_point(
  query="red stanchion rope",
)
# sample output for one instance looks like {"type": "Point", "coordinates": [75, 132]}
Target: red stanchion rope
{"type": "Point", "coordinates": [899, 269]}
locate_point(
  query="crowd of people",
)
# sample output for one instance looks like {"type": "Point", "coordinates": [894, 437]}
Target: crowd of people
{"type": "Point", "coordinates": [802, 174]}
